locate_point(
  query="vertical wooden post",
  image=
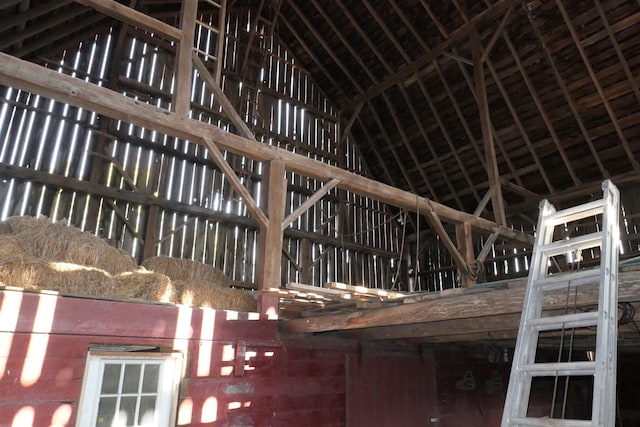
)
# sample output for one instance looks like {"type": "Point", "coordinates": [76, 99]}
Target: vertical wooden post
{"type": "Point", "coordinates": [464, 239]}
{"type": "Point", "coordinates": [150, 232]}
{"type": "Point", "coordinates": [222, 19]}
{"type": "Point", "coordinates": [487, 135]}
{"type": "Point", "coordinates": [270, 242]}
{"type": "Point", "coordinates": [184, 70]}
{"type": "Point", "coordinates": [305, 261]}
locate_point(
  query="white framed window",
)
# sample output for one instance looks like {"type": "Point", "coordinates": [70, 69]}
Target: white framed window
{"type": "Point", "coordinates": [127, 389]}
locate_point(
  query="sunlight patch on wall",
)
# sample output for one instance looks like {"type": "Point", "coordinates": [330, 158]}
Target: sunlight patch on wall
{"type": "Point", "coordinates": [39, 340]}
{"type": "Point", "coordinates": [206, 343]}
{"type": "Point", "coordinates": [209, 410]}
{"type": "Point", "coordinates": [24, 417]}
{"type": "Point", "coordinates": [9, 311]}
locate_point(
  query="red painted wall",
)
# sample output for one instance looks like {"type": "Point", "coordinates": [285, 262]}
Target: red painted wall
{"type": "Point", "coordinates": [443, 388]}
{"type": "Point", "coordinates": [44, 341]}
{"type": "Point", "coordinates": [391, 389]}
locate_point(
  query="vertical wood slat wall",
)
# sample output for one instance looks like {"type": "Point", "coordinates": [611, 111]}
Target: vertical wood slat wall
{"type": "Point", "coordinates": [276, 98]}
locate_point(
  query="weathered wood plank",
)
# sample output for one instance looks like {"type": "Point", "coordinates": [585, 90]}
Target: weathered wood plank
{"type": "Point", "coordinates": [460, 307]}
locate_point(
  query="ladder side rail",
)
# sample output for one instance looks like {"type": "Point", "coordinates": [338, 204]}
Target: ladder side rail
{"type": "Point", "coordinates": [603, 410]}
{"type": "Point", "coordinates": [517, 399]}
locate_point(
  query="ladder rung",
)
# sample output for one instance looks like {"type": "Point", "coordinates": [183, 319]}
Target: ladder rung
{"type": "Point", "coordinates": [576, 278]}
{"type": "Point", "coordinates": [576, 320]}
{"type": "Point", "coordinates": [581, 242]}
{"type": "Point", "coordinates": [559, 369]}
{"type": "Point", "coordinates": [575, 213]}
{"type": "Point", "coordinates": [549, 422]}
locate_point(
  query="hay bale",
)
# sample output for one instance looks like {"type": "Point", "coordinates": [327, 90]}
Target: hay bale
{"type": "Point", "coordinates": [80, 280]}
{"type": "Point", "coordinates": [37, 274]}
{"type": "Point", "coordinates": [11, 249]}
{"type": "Point", "coordinates": [145, 285]}
{"type": "Point", "coordinates": [188, 271]}
{"type": "Point", "coordinates": [220, 298]}
{"type": "Point", "coordinates": [5, 228]}
{"type": "Point", "coordinates": [60, 242]}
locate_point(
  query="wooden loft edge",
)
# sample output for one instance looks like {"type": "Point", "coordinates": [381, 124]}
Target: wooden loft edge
{"type": "Point", "coordinates": [427, 317]}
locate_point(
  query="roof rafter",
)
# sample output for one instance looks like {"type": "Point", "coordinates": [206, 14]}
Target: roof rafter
{"type": "Point", "coordinates": [543, 113]}
{"type": "Point", "coordinates": [427, 57]}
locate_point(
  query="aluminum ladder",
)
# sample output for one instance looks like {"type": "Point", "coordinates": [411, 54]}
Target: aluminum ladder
{"type": "Point", "coordinates": [532, 322]}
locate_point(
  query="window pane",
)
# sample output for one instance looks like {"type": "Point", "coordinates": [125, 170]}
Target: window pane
{"type": "Point", "coordinates": [131, 378]}
{"type": "Point", "coordinates": [106, 410]}
{"type": "Point", "coordinates": [147, 410]}
{"type": "Point", "coordinates": [127, 411]}
{"type": "Point", "coordinates": [110, 378]}
{"type": "Point", "coordinates": [150, 380]}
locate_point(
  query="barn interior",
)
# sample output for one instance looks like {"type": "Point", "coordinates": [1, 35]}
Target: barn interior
{"type": "Point", "coordinates": [308, 212]}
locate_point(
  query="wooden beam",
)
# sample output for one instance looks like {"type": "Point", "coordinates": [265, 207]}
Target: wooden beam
{"type": "Point", "coordinates": [270, 241]}
{"type": "Point", "coordinates": [220, 48]}
{"type": "Point", "coordinates": [228, 171]}
{"type": "Point", "coordinates": [422, 61]}
{"type": "Point", "coordinates": [30, 77]}
{"type": "Point", "coordinates": [151, 232]}
{"type": "Point", "coordinates": [491, 160]}
{"type": "Point", "coordinates": [483, 203]}
{"type": "Point", "coordinates": [486, 249]}
{"type": "Point", "coordinates": [465, 306]}
{"type": "Point", "coordinates": [184, 65]}
{"type": "Point", "coordinates": [435, 222]}
{"type": "Point", "coordinates": [464, 238]}
{"type": "Point", "coordinates": [495, 36]}
{"type": "Point", "coordinates": [309, 202]}
{"type": "Point", "coordinates": [221, 98]}
{"type": "Point", "coordinates": [134, 18]}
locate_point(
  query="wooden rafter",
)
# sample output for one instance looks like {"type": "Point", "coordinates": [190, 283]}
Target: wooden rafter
{"type": "Point", "coordinates": [428, 57]}
{"type": "Point", "coordinates": [487, 131]}
{"type": "Point", "coordinates": [387, 31]}
{"type": "Point", "coordinates": [598, 86]}
{"type": "Point", "coordinates": [311, 28]}
{"type": "Point", "coordinates": [521, 129]}
{"type": "Point", "coordinates": [312, 55]}
{"type": "Point", "coordinates": [616, 48]}
{"type": "Point", "coordinates": [543, 113]}
{"type": "Point", "coordinates": [496, 138]}
{"type": "Point", "coordinates": [53, 21]}
{"type": "Point", "coordinates": [391, 146]}
{"type": "Point", "coordinates": [394, 115]}
{"type": "Point", "coordinates": [461, 117]}
{"type": "Point", "coordinates": [569, 99]}
{"type": "Point", "coordinates": [445, 133]}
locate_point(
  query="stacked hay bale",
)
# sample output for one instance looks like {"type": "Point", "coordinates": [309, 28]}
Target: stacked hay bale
{"type": "Point", "coordinates": [201, 285]}
{"type": "Point", "coordinates": [37, 254]}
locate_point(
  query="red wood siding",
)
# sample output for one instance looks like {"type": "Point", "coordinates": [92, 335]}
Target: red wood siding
{"type": "Point", "coordinates": [390, 389]}
{"type": "Point", "coordinates": [44, 341]}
